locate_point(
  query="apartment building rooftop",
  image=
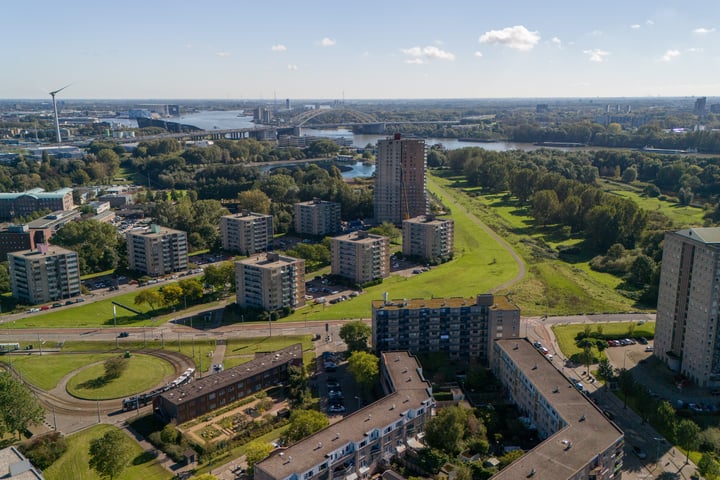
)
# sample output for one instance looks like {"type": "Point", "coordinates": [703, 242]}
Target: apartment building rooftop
{"type": "Point", "coordinates": [268, 260]}
{"type": "Point", "coordinates": [494, 302]}
{"type": "Point", "coordinates": [359, 236]}
{"type": "Point", "coordinates": [411, 390]}
{"type": "Point", "coordinates": [570, 449]}
{"type": "Point", "coordinates": [708, 235]}
{"type": "Point", "coordinates": [155, 231]}
{"type": "Point", "coordinates": [260, 363]}
{"type": "Point", "coordinates": [43, 251]}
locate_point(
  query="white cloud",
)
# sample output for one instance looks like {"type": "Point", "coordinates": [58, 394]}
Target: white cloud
{"type": "Point", "coordinates": [478, 54]}
{"type": "Point", "coordinates": [429, 53]}
{"type": "Point", "coordinates": [694, 50]}
{"type": "Point", "coordinates": [278, 48]}
{"type": "Point", "coordinates": [414, 61]}
{"type": "Point", "coordinates": [596, 55]}
{"type": "Point", "coordinates": [222, 54]}
{"type": "Point", "coordinates": [635, 26]}
{"type": "Point", "coordinates": [669, 55]}
{"type": "Point", "coordinates": [703, 31]}
{"type": "Point", "coordinates": [292, 68]}
{"type": "Point", "coordinates": [649, 22]}
{"type": "Point", "coordinates": [517, 37]}
{"type": "Point", "coordinates": [556, 42]}
{"type": "Point", "coordinates": [327, 42]}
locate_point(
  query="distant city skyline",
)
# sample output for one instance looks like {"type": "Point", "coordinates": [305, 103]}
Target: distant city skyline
{"type": "Point", "coordinates": [371, 50]}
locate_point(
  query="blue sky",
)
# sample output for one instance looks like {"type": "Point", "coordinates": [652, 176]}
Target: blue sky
{"type": "Point", "coordinates": [233, 49]}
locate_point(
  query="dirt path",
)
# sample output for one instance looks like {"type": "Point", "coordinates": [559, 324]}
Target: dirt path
{"type": "Point", "coordinates": [447, 199]}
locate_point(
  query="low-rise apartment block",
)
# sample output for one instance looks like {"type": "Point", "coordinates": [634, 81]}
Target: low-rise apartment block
{"type": "Point", "coordinates": [428, 237]}
{"type": "Point", "coordinates": [317, 217]}
{"type": "Point", "coordinates": [360, 256]}
{"type": "Point", "coordinates": [157, 251]}
{"type": "Point", "coordinates": [47, 274]}
{"type": "Point", "coordinates": [353, 447]}
{"type": "Point", "coordinates": [247, 232]}
{"type": "Point", "coordinates": [22, 204]}
{"type": "Point", "coordinates": [215, 391]}
{"type": "Point", "coordinates": [580, 443]}
{"type": "Point", "coordinates": [464, 328]}
{"type": "Point", "coordinates": [270, 281]}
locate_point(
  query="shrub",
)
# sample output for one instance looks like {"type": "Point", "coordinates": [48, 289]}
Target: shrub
{"type": "Point", "coordinates": [43, 451]}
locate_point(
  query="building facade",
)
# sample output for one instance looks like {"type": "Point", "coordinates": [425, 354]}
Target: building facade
{"type": "Point", "coordinates": [22, 204]}
{"type": "Point", "coordinates": [247, 232]}
{"type": "Point", "coordinates": [157, 251]}
{"type": "Point", "coordinates": [353, 447]}
{"type": "Point", "coordinates": [360, 256]}
{"type": "Point", "coordinates": [687, 336]}
{"type": "Point", "coordinates": [215, 391]}
{"type": "Point", "coordinates": [400, 184]}
{"type": "Point", "coordinates": [430, 238]}
{"type": "Point", "coordinates": [317, 217]}
{"type": "Point", "coordinates": [15, 238]}
{"type": "Point", "coordinates": [47, 274]}
{"type": "Point", "coordinates": [463, 328]}
{"type": "Point", "coordinates": [270, 281]}
{"type": "Point", "coordinates": [580, 443]}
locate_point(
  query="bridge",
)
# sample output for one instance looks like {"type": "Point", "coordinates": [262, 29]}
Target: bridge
{"type": "Point", "coordinates": [358, 117]}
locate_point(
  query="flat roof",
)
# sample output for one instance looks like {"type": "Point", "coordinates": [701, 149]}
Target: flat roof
{"type": "Point", "coordinates": [411, 391]}
{"type": "Point", "coordinates": [428, 220]}
{"type": "Point", "coordinates": [157, 231]}
{"type": "Point", "coordinates": [588, 432]}
{"type": "Point", "coordinates": [499, 303]}
{"type": "Point", "coordinates": [269, 260]}
{"type": "Point", "coordinates": [247, 214]}
{"type": "Point", "coordinates": [11, 456]}
{"type": "Point", "coordinates": [210, 383]}
{"type": "Point", "coordinates": [51, 250]}
{"type": "Point", "coordinates": [360, 236]}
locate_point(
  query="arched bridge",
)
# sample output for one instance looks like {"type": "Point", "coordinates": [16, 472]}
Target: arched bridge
{"type": "Point", "coordinates": [356, 116]}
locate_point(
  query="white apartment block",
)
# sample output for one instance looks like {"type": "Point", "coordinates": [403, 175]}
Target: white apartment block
{"type": "Point", "coordinates": [686, 332]}
{"type": "Point", "coordinates": [47, 274]}
{"type": "Point", "coordinates": [317, 217]}
{"type": "Point", "coordinates": [427, 237]}
{"type": "Point", "coordinates": [400, 181]}
{"type": "Point", "coordinates": [270, 281]}
{"type": "Point", "coordinates": [157, 251]}
{"type": "Point", "coordinates": [360, 256]}
{"type": "Point", "coordinates": [247, 232]}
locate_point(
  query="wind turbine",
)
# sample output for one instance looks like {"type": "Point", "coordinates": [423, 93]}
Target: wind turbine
{"type": "Point", "coordinates": [57, 122]}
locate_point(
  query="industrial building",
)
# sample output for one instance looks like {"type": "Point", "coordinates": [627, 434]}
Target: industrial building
{"type": "Point", "coordinates": [463, 328]}
{"type": "Point", "coordinates": [46, 274]}
{"type": "Point", "coordinates": [270, 281]}
{"type": "Point", "coordinates": [355, 446]}
{"type": "Point", "coordinates": [317, 217]}
{"type": "Point", "coordinates": [360, 256]}
{"type": "Point", "coordinates": [429, 238]}
{"type": "Point", "coordinates": [400, 183]}
{"type": "Point", "coordinates": [22, 204]}
{"type": "Point", "coordinates": [247, 232]}
{"type": "Point", "coordinates": [204, 395]}
{"type": "Point", "coordinates": [579, 442]}
{"type": "Point", "coordinates": [157, 251]}
{"type": "Point", "coordinates": [686, 329]}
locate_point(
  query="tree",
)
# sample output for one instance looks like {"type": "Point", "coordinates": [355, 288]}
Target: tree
{"type": "Point", "coordinates": [364, 367]}
{"type": "Point", "coordinates": [356, 335]}
{"type": "Point", "coordinates": [641, 270]}
{"type": "Point", "coordinates": [205, 476]}
{"type": "Point", "coordinates": [218, 276]}
{"type": "Point", "coordinates": [666, 421]}
{"type": "Point", "coordinates": [688, 436]}
{"type": "Point", "coordinates": [626, 382]}
{"type": "Point", "coordinates": [629, 175]}
{"type": "Point", "coordinates": [297, 386]}
{"type": "Point", "coordinates": [95, 242]}
{"type": "Point", "coordinates": [387, 229]}
{"type": "Point", "coordinates": [545, 205]}
{"type": "Point", "coordinates": [709, 467]}
{"type": "Point", "coordinates": [254, 200]}
{"type": "Point", "coordinates": [191, 288]}
{"type": "Point", "coordinates": [20, 407]}
{"type": "Point", "coordinates": [256, 452]}
{"type": "Point", "coordinates": [171, 294]}
{"type": "Point", "coordinates": [304, 423]}
{"type": "Point", "coordinates": [605, 369]}
{"type": "Point", "coordinates": [149, 296]}
{"type": "Point", "coordinates": [446, 431]}
{"type": "Point", "coordinates": [114, 367]}
{"type": "Point", "coordinates": [110, 454]}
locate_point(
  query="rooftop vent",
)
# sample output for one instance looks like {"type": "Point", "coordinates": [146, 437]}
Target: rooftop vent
{"type": "Point", "coordinates": [582, 418]}
{"type": "Point", "coordinates": [369, 417]}
{"type": "Point", "coordinates": [532, 473]}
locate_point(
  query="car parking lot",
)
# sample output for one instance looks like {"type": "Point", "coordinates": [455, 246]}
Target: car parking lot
{"type": "Point", "coordinates": [339, 394]}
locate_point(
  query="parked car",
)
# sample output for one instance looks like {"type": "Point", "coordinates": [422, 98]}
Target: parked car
{"type": "Point", "coordinates": [336, 408]}
{"type": "Point", "coordinates": [123, 334]}
{"type": "Point", "coordinates": [56, 305]}
{"type": "Point", "coordinates": [642, 341]}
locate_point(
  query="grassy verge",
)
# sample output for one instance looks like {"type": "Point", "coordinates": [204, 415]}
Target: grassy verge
{"type": "Point", "coordinates": [46, 371]}
{"type": "Point", "coordinates": [74, 463]}
{"type": "Point", "coordinates": [144, 372]}
{"type": "Point", "coordinates": [566, 334]}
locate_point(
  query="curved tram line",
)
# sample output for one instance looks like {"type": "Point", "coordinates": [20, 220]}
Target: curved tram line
{"type": "Point", "coordinates": [69, 405]}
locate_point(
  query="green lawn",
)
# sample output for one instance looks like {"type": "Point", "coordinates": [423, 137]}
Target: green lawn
{"type": "Point", "coordinates": [566, 334]}
{"type": "Point", "coordinates": [144, 372]}
{"type": "Point", "coordinates": [46, 371]}
{"type": "Point", "coordinates": [74, 463]}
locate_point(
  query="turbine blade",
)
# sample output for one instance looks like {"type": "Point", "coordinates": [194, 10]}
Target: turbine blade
{"type": "Point", "coordinates": [60, 89]}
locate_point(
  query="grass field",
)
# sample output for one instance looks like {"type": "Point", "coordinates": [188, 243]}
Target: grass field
{"type": "Point", "coordinates": [566, 334]}
{"type": "Point", "coordinates": [74, 463]}
{"type": "Point", "coordinates": [46, 371]}
{"type": "Point", "coordinates": [144, 372]}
